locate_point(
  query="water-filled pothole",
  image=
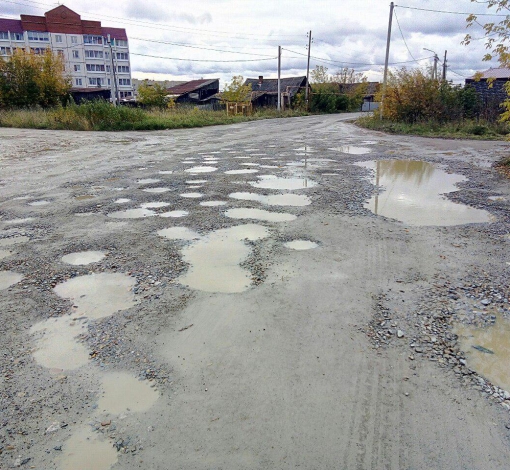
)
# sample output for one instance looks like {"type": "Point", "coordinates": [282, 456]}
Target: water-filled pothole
{"type": "Point", "coordinates": [259, 214]}
{"type": "Point", "coordinates": [215, 259]}
{"type": "Point", "coordinates": [132, 214]}
{"type": "Point", "coordinates": [413, 194]}
{"type": "Point", "coordinates": [213, 203]}
{"type": "Point", "coordinates": [300, 245]}
{"type": "Point", "coordinates": [488, 350]}
{"type": "Point", "coordinates": [174, 214]}
{"type": "Point", "coordinates": [154, 205]}
{"type": "Point", "coordinates": [9, 278]}
{"type": "Point", "coordinates": [39, 203]}
{"type": "Point", "coordinates": [201, 169]}
{"type": "Point", "coordinates": [242, 171]}
{"type": "Point", "coordinates": [98, 295]}
{"type": "Point", "coordinates": [196, 181]}
{"type": "Point", "coordinates": [148, 181]}
{"type": "Point", "coordinates": [353, 150]}
{"type": "Point", "coordinates": [165, 172]}
{"type": "Point", "coordinates": [81, 258]}
{"type": "Point", "coordinates": [84, 197]}
{"type": "Point", "coordinates": [122, 200]}
{"type": "Point", "coordinates": [178, 233]}
{"type": "Point", "coordinates": [275, 182]}
{"type": "Point", "coordinates": [192, 195]}
{"type": "Point", "coordinates": [274, 199]}
{"type": "Point", "coordinates": [156, 190]}
{"type": "Point", "coordinates": [122, 392]}
{"type": "Point", "coordinates": [84, 450]}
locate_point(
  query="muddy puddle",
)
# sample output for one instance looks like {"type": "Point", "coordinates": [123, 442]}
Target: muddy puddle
{"type": "Point", "coordinates": [352, 150]}
{"type": "Point", "coordinates": [122, 393]}
{"type": "Point", "coordinates": [178, 233]}
{"type": "Point", "coordinates": [154, 205]}
{"type": "Point", "coordinates": [276, 182]}
{"type": "Point", "coordinates": [81, 258]}
{"type": "Point", "coordinates": [296, 200]}
{"type": "Point", "coordinates": [259, 214]}
{"type": "Point", "coordinates": [201, 169]}
{"type": "Point", "coordinates": [412, 192]}
{"type": "Point", "coordinates": [85, 450]}
{"type": "Point", "coordinates": [300, 245]}
{"type": "Point", "coordinates": [56, 346]}
{"type": "Point", "coordinates": [241, 172]}
{"type": "Point", "coordinates": [9, 279]}
{"type": "Point", "coordinates": [174, 214]}
{"type": "Point", "coordinates": [192, 195]}
{"type": "Point", "coordinates": [215, 259]}
{"type": "Point", "coordinates": [132, 214]}
{"type": "Point", "coordinates": [213, 203]}
{"type": "Point", "coordinates": [488, 350]}
{"type": "Point", "coordinates": [98, 295]}
{"type": "Point", "coordinates": [122, 200]}
{"type": "Point", "coordinates": [156, 190]}
{"type": "Point", "coordinates": [148, 181]}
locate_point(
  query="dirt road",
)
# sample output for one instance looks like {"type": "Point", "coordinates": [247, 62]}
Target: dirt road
{"type": "Point", "coordinates": [186, 331]}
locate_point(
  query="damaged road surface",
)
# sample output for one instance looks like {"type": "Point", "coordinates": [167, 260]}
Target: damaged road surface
{"type": "Point", "coordinates": [294, 293]}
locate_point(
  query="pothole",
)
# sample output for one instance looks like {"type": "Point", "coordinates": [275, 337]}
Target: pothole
{"type": "Point", "coordinates": [175, 214]}
{"type": "Point", "coordinates": [300, 245]}
{"type": "Point", "coordinates": [259, 214]}
{"type": "Point", "coordinates": [275, 199]}
{"type": "Point", "coordinates": [352, 150]}
{"type": "Point", "coordinates": [242, 171]}
{"type": "Point", "coordinates": [192, 195]}
{"type": "Point", "coordinates": [154, 205]}
{"type": "Point", "coordinates": [9, 278]}
{"type": "Point", "coordinates": [213, 203]}
{"type": "Point", "coordinates": [201, 169]}
{"type": "Point", "coordinates": [132, 214]}
{"type": "Point", "coordinates": [39, 203]}
{"type": "Point", "coordinates": [276, 182]}
{"type": "Point", "coordinates": [156, 190]}
{"type": "Point", "coordinates": [148, 181]}
{"type": "Point", "coordinates": [178, 233]}
{"type": "Point", "coordinates": [81, 258]}
{"type": "Point", "coordinates": [122, 200]}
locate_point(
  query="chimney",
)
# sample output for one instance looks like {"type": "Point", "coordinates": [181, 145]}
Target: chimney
{"type": "Point", "coordinates": [261, 78]}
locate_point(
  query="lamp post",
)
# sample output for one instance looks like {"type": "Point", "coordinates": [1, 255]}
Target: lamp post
{"type": "Point", "coordinates": [436, 60]}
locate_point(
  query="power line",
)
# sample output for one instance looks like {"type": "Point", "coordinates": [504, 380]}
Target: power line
{"type": "Point", "coordinates": [402, 34]}
{"type": "Point", "coordinates": [200, 60]}
{"type": "Point", "coordinates": [451, 12]}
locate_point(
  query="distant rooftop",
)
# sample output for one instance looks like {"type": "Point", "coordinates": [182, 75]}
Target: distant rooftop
{"type": "Point", "coordinates": [492, 73]}
{"type": "Point", "coordinates": [188, 87]}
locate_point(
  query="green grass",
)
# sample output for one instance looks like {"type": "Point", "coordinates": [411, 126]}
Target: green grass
{"type": "Point", "coordinates": [467, 129]}
{"type": "Point", "coordinates": [101, 116]}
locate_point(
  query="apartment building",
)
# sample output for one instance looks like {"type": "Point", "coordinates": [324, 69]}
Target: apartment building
{"type": "Point", "coordinates": [96, 57]}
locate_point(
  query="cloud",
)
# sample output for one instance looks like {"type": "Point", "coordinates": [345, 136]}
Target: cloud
{"type": "Point", "coordinates": [153, 11]}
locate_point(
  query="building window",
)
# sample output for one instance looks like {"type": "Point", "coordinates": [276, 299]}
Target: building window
{"type": "Point", "coordinates": [58, 38]}
{"type": "Point", "coordinates": [5, 51]}
{"type": "Point", "coordinates": [38, 36]}
{"type": "Point", "coordinates": [123, 68]}
{"type": "Point", "coordinates": [74, 39]}
{"type": "Point", "coordinates": [78, 82]}
{"type": "Point", "coordinates": [124, 81]}
{"type": "Point", "coordinates": [121, 42]}
{"type": "Point", "coordinates": [96, 81]}
{"type": "Point", "coordinates": [109, 82]}
{"type": "Point", "coordinates": [106, 55]}
{"type": "Point", "coordinates": [88, 39]}
{"type": "Point", "coordinates": [95, 67]}
{"type": "Point", "coordinates": [38, 50]}
{"type": "Point", "coordinates": [4, 35]}
{"type": "Point", "coordinates": [122, 56]}
{"type": "Point", "coordinates": [17, 37]}
{"type": "Point", "coordinates": [76, 54]}
{"type": "Point", "coordinates": [108, 68]}
{"type": "Point", "coordinates": [93, 54]}
{"type": "Point", "coordinates": [77, 67]}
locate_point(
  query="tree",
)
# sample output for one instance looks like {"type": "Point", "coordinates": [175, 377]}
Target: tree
{"type": "Point", "coordinates": [236, 91]}
{"type": "Point", "coordinates": [347, 75]}
{"type": "Point", "coordinates": [29, 79]}
{"type": "Point", "coordinates": [153, 95]}
{"type": "Point", "coordinates": [320, 75]}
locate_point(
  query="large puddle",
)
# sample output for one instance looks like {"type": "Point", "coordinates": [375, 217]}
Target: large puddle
{"type": "Point", "coordinates": [352, 150]}
{"type": "Point", "coordinates": [98, 295]}
{"type": "Point", "coordinates": [9, 278]}
{"type": "Point", "coordinates": [259, 214]}
{"type": "Point", "coordinates": [215, 259]}
{"type": "Point", "coordinates": [275, 199]}
{"type": "Point", "coordinates": [81, 258]}
{"type": "Point", "coordinates": [156, 190]}
{"type": "Point", "coordinates": [213, 203]}
{"type": "Point", "coordinates": [122, 392]}
{"type": "Point", "coordinates": [178, 233]}
{"type": "Point", "coordinates": [300, 245]}
{"type": "Point", "coordinates": [412, 193]}
{"type": "Point", "coordinates": [201, 169]}
{"type": "Point", "coordinates": [275, 182]}
{"type": "Point", "coordinates": [488, 350]}
{"type": "Point", "coordinates": [86, 451]}
{"type": "Point", "coordinates": [132, 214]}
{"type": "Point", "coordinates": [241, 172]}
{"type": "Point", "coordinates": [56, 346]}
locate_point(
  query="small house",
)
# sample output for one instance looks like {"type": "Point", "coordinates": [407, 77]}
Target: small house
{"type": "Point", "coordinates": [490, 85]}
{"type": "Point", "coordinates": [264, 91]}
{"type": "Point", "coordinates": [194, 92]}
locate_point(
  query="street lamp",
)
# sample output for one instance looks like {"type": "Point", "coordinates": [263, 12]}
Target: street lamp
{"type": "Point", "coordinates": [436, 60]}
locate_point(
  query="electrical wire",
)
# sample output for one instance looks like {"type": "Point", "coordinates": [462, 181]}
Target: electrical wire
{"type": "Point", "coordinates": [200, 60]}
{"type": "Point", "coordinates": [402, 34]}
{"type": "Point", "coordinates": [450, 12]}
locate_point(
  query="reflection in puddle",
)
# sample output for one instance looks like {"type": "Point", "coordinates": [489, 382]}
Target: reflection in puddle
{"type": "Point", "coordinates": [259, 214]}
{"type": "Point", "coordinates": [83, 257]}
{"type": "Point", "coordinates": [201, 169]}
{"type": "Point", "coordinates": [5, 253]}
{"type": "Point", "coordinates": [56, 347]}
{"type": "Point", "coordinates": [352, 150]}
{"type": "Point", "coordinates": [191, 195]}
{"type": "Point", "coordinates": [196, 181]}
{"type": "Point", "coordinates": [98, 295]}
{"type": "Point", "coordinates": [156, 190]}
{"type": "Point", "coordinates": [215, 259]}
{"type": "Point", "coordinates": [178, 233]}
{"type": "Point", "coordinates": [85, 451]}
{"type": "Point", "coordinates": [241, 172]}
{"type": "Point", "coordinates": [495, 339]}
{"type": "Point", "coordinates": [213, 203]}
{"type": "Point", "coordinates": [174, 214]}
{"type": "Point", "coordinates": [275, 182]}
{"type": "Point", "coordinates": [132, 214]}
{"type": "Point", "coordinates": [123, 392]}
{"type": "Point", "coordinates": [412, 194]}
{"type": "Point", "coordinates": [165, 172]}
{"type": "Point", "coordinates": [122, 200]}
{"type": "Point", "coordinates": [84, 197]}
{"type": "Point", "coordinates": [9, 278]}
{"type": "Point", "coordinates": [275, 199]}
{"type": "Point", "coordinates": [301, 245]}
{"type": "Point", "coordinates": [19, 221]}
{"type": "Point", "coordinates": [38, 203]}
{"type": "Point", "coordinates": [154, 205]}
{"type": "Point", "coordinates": [148, 181]}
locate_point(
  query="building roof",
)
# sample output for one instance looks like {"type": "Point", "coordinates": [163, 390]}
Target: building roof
{"type": "Point", "coordinates": [491, 73]}
{"type": "Point", "coordinates": [371, 87]}
{"type": "Point", "coordinates": [188, 87]}
{"type": "Point", "coordinates": [115, 33]}
{"type": "Point", "coordinates": [270, 85]}
{"type": "Point", "coordinates": [14, 26]}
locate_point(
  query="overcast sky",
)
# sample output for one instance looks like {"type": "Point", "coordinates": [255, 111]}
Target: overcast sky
{"type": "Point", "coordinates": [222, 38]}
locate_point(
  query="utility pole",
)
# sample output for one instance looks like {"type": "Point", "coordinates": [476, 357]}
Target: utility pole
{"type": "Point", "coordinates": [113, 86]}
{"type": "Point", "coordinates": [308, 68]}
{"type": "Point", "coordinates": [444, 67]}
{"type": "Point", "coordinates": [434, 72]}
{"type": "Point", "coordinates": [385, 79]}
{"type": "Point", "coordinates": [279, 78]}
